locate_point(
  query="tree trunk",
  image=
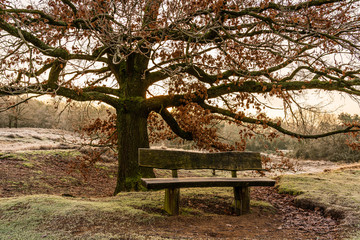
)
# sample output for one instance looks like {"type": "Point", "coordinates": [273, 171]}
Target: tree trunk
{"type": "Point", "coordinates": [16, 122]}
{"type": "Point", "coordinates": [132, 135]}
{"type": "Point", "coordinates": [10, 122]}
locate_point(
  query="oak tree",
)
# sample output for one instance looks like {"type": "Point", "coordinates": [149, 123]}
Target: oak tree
{"type": "Point", "coordinates": [190, 61]}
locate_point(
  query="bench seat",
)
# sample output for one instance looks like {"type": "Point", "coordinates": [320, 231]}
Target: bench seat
{"type": "Point", "coordinates": [177, 159]}
{"type": "Point", "coordinates": [189, 182]}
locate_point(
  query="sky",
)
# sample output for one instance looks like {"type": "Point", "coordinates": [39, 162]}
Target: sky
{"type": "Point", "coordinates": [334, 103]}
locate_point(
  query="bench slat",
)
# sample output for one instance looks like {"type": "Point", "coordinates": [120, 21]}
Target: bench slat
{"type": "Point", "coordinates": [170, 159]}
{"type": "Point", "coordinates": [161, 183]}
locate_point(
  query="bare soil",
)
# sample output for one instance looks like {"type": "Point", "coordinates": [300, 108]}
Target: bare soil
{"type": "Point", "coordinates": [51, 174]}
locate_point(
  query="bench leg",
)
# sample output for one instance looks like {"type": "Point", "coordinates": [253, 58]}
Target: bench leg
{"type": "Point", "coordinates": [172, 199]}
{"type": "Point", "coordinates": [242, 200]}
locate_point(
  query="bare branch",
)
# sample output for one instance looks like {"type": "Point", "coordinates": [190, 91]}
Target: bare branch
{"type": "Point", "coordinates": [18, 103]}
{"type": "Point", "coordinates": [276, 126]}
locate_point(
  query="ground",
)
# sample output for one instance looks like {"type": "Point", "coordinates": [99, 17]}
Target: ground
{"type": "Point", "coordinates": [83, 206]}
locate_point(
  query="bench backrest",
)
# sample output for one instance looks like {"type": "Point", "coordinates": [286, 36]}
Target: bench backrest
{"type": "Point", "coordinates": [176, 159]}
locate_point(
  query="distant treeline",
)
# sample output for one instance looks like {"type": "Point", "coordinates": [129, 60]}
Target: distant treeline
{"type": "Point", "coordinates": [49, 113]}
{"type": "Point", "coordinates": [56, 113]}
{"type": "Point", "coordinates": [341, 147]}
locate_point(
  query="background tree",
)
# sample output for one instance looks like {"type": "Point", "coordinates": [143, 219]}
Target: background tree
{"type": "Point", "coordinates": [16, 111]}
{"type": "Point", "coordinates": [343, 147]}
{"type": "Point", "coordinates": [190, 61]}
{"type": "Point", "coordinates": [52, 113]}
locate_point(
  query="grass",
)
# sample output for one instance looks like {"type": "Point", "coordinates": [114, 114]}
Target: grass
{"type": "Point", "coordinates": [28, 156]}
{"type": "Point", "coordinates": [337, 193]}
{"type": "Point", "coordinates": [54, 217]}
{"type": "Point", "coordinates": [29, 159]}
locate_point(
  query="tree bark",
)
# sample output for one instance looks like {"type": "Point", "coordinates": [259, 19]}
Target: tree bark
{"type": "Point", "coordinates": [16, 122]}
{"type": "Point", "coordinates": [132, 135]}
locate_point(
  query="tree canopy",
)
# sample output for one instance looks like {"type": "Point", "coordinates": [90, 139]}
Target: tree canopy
{"type": "Point", "coordinates": [190, 61]}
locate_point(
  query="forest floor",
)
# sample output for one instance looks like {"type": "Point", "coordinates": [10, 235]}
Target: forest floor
{"type": "Point", "coordinates": [44, 196]}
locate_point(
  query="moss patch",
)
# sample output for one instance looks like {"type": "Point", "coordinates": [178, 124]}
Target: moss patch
{"type": "Point", "coordinates": [57, 152]}
{"type": "Point", "coordinates": [14, 156]}
{"type": "Point", "coordinates": [28, 164]}
{"type": "Point", "coordinates": [264, 205]}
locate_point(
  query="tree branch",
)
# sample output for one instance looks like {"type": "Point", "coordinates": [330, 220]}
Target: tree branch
{"type": "Point", "coordinates": [352, 128]}
{"type": "Point", "coordinates": [52, 87]}
{"type": "Point", "coordinates": [71, 5]}
{"type": "Point", "coordinates": [263, 87]}
{"type": "Point", "coordinates": [170, 120]}
{"type": "Point", "coordinates": [158, 102]}
{"type": "Point", "coordinates": [26, 36]}
{"type": "Point", "coordinates": [276, 6]}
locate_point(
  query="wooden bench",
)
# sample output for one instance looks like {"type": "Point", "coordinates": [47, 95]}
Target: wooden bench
{"type": "Point", "coordinates": [174, 160]}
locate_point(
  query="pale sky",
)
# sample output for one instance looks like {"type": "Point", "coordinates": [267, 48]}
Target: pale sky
{"type": "Point", "coordinates": [334, 102]}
